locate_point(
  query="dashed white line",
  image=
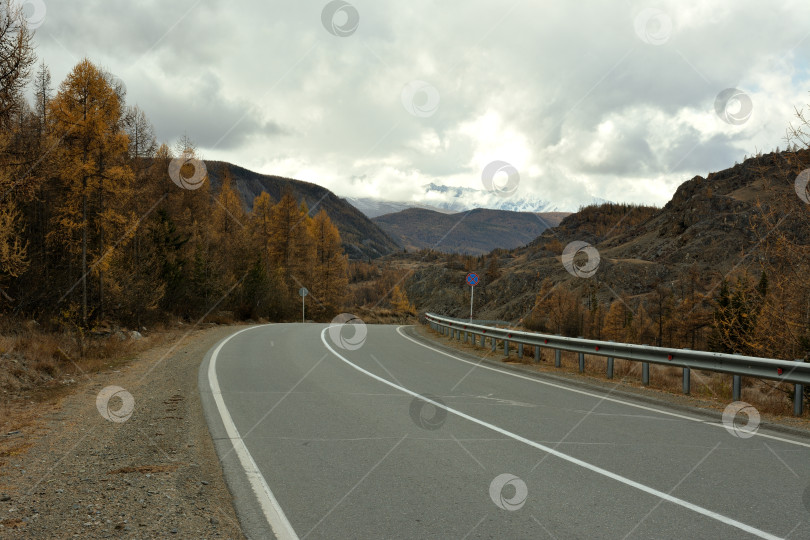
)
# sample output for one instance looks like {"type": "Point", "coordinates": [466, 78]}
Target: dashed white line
{"type": "Point", "coordinates": [584, 464]}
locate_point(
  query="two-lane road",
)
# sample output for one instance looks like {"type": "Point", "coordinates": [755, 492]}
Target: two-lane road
{"type": "Point", "coordinates": [326, 439]}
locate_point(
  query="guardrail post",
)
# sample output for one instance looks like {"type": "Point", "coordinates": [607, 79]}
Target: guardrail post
{"type": "Point", "coordinates": [506, 347]}
{"type": "Point", "coordinates": [582, 362]}
{"type": "Point", "coordinates": [686, 374]}
{"type": "Point", "coordinates": [537, 353]}
{"type": "Point", "coordinates": [493, 343]}
{"type": "Point", "coordinates": [798, 399]}
{"type": "Point", "coordinates": [610, 367]}
{"type": "Point", "coordinates": [736, 387]}
{"type": "Point", "coordinates": [645, 373]}
{"type": "Point", "coordinates": [520, 350]}
{"type": "Point", "coordinates": [557, 360]}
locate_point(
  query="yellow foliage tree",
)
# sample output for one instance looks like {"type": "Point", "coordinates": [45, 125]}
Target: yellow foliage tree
{"type": "Point", "coordinates": [330, 276]}
{"type": "Point", "coordinates": [92, 220]}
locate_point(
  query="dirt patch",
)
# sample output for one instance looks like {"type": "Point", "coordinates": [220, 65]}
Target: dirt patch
{"type": "Point", "coordinates": [132, 461]}
{"type": "Point", "coordinates": [145, 469]}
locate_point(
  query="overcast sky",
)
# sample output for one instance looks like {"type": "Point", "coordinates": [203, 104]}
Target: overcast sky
{"type": "Point", "coordinates": [614, 99]}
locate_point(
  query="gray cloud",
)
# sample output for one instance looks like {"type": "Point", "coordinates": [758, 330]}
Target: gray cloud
{"type": "Point", "coordinates": [566, 91]}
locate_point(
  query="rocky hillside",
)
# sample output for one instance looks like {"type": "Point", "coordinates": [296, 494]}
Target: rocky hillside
{"type": "Point", "coordinates": [362, 239]}
{"type": "Point", "coordinates": [712, 225]}
{"type": "Point", "coordinates": [475, 232]}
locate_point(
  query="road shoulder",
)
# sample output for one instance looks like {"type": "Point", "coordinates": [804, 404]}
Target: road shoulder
{"type": "Point", "coordinates": [153, 474]}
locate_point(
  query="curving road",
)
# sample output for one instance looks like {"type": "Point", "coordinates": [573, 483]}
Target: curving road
{"type": "Point", "coordinates": [322, 434]}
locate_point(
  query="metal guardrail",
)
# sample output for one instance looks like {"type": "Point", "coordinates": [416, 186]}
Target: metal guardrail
{"type": "Point", "coordinates": [738, 366]}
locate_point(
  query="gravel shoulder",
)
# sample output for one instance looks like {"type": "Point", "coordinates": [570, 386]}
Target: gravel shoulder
{"type": "Point", "coordinates": [74, 473]}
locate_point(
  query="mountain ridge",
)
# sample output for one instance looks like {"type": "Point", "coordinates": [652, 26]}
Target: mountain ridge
{"type": "Point", "coordinates": [476, 232]}
{"type": "Point", "coordinates": [361, 237]}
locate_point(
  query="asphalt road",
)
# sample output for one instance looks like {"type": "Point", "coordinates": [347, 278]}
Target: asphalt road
{"type": "Point", "coordinates": [321, 436]}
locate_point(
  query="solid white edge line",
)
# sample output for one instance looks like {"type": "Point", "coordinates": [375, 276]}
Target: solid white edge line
{"type": "Point", "coordinates": [603, 397]}
{"type": "Point", "coordinates": [584, 464]}
{"type": "Point", "coordinates": [272, 510]}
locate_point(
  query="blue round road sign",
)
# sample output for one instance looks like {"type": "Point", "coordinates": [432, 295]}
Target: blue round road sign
{"type": "Point", "coordinates": [472, 279]}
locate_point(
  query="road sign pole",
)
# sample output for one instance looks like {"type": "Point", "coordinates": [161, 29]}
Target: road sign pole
{"type": "Point", "coordinates": [303, 292]}
{"type": "Point", "coordinates": [472, 295]}
{"type": "Point", "coordinates": [472, 281]}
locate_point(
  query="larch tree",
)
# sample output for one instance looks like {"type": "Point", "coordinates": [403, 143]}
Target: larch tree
{"type": "Point", "coordinates": [16, 58]}
{"type": "Point", "coordinates": [330, 275]}
{"type": "Point", "coordinates": [615, 328]}
{"type": "Point", "coordinates": [292, 248]}
{"type": "Point", "coordinates": [400, 302]}
{"type": "Point", "coordinates": [92, 218]}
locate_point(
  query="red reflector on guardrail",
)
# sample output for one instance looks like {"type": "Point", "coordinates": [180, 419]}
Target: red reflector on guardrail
{"type": "Point", "coordinates": [545, 341]}
{"type": "Point", "coordinates": [670, 357]}
{"type": "Point", "coordinates": [779, 371]}
{"type": "Point", "coordinates": [597, 347]}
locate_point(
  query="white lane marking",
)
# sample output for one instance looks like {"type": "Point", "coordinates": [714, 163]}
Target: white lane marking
{"type": "Point", "coordinates": [599, 396]}
{"type": "Point", "coordinates": [272, 510]}
{"type": "Point", "coordinates": [584, 464]}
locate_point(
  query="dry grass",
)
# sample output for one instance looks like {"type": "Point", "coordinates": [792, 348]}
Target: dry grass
{"type": "Point", "coordinates": [767, 397]}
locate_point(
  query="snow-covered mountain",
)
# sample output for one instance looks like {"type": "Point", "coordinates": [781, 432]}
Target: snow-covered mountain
{"type": "Point", "coordinates": [451, 199]}
{"type": "Point", "coordinates": [459, 199]}
{"type": "Point", "coordinates": [378, 207]}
